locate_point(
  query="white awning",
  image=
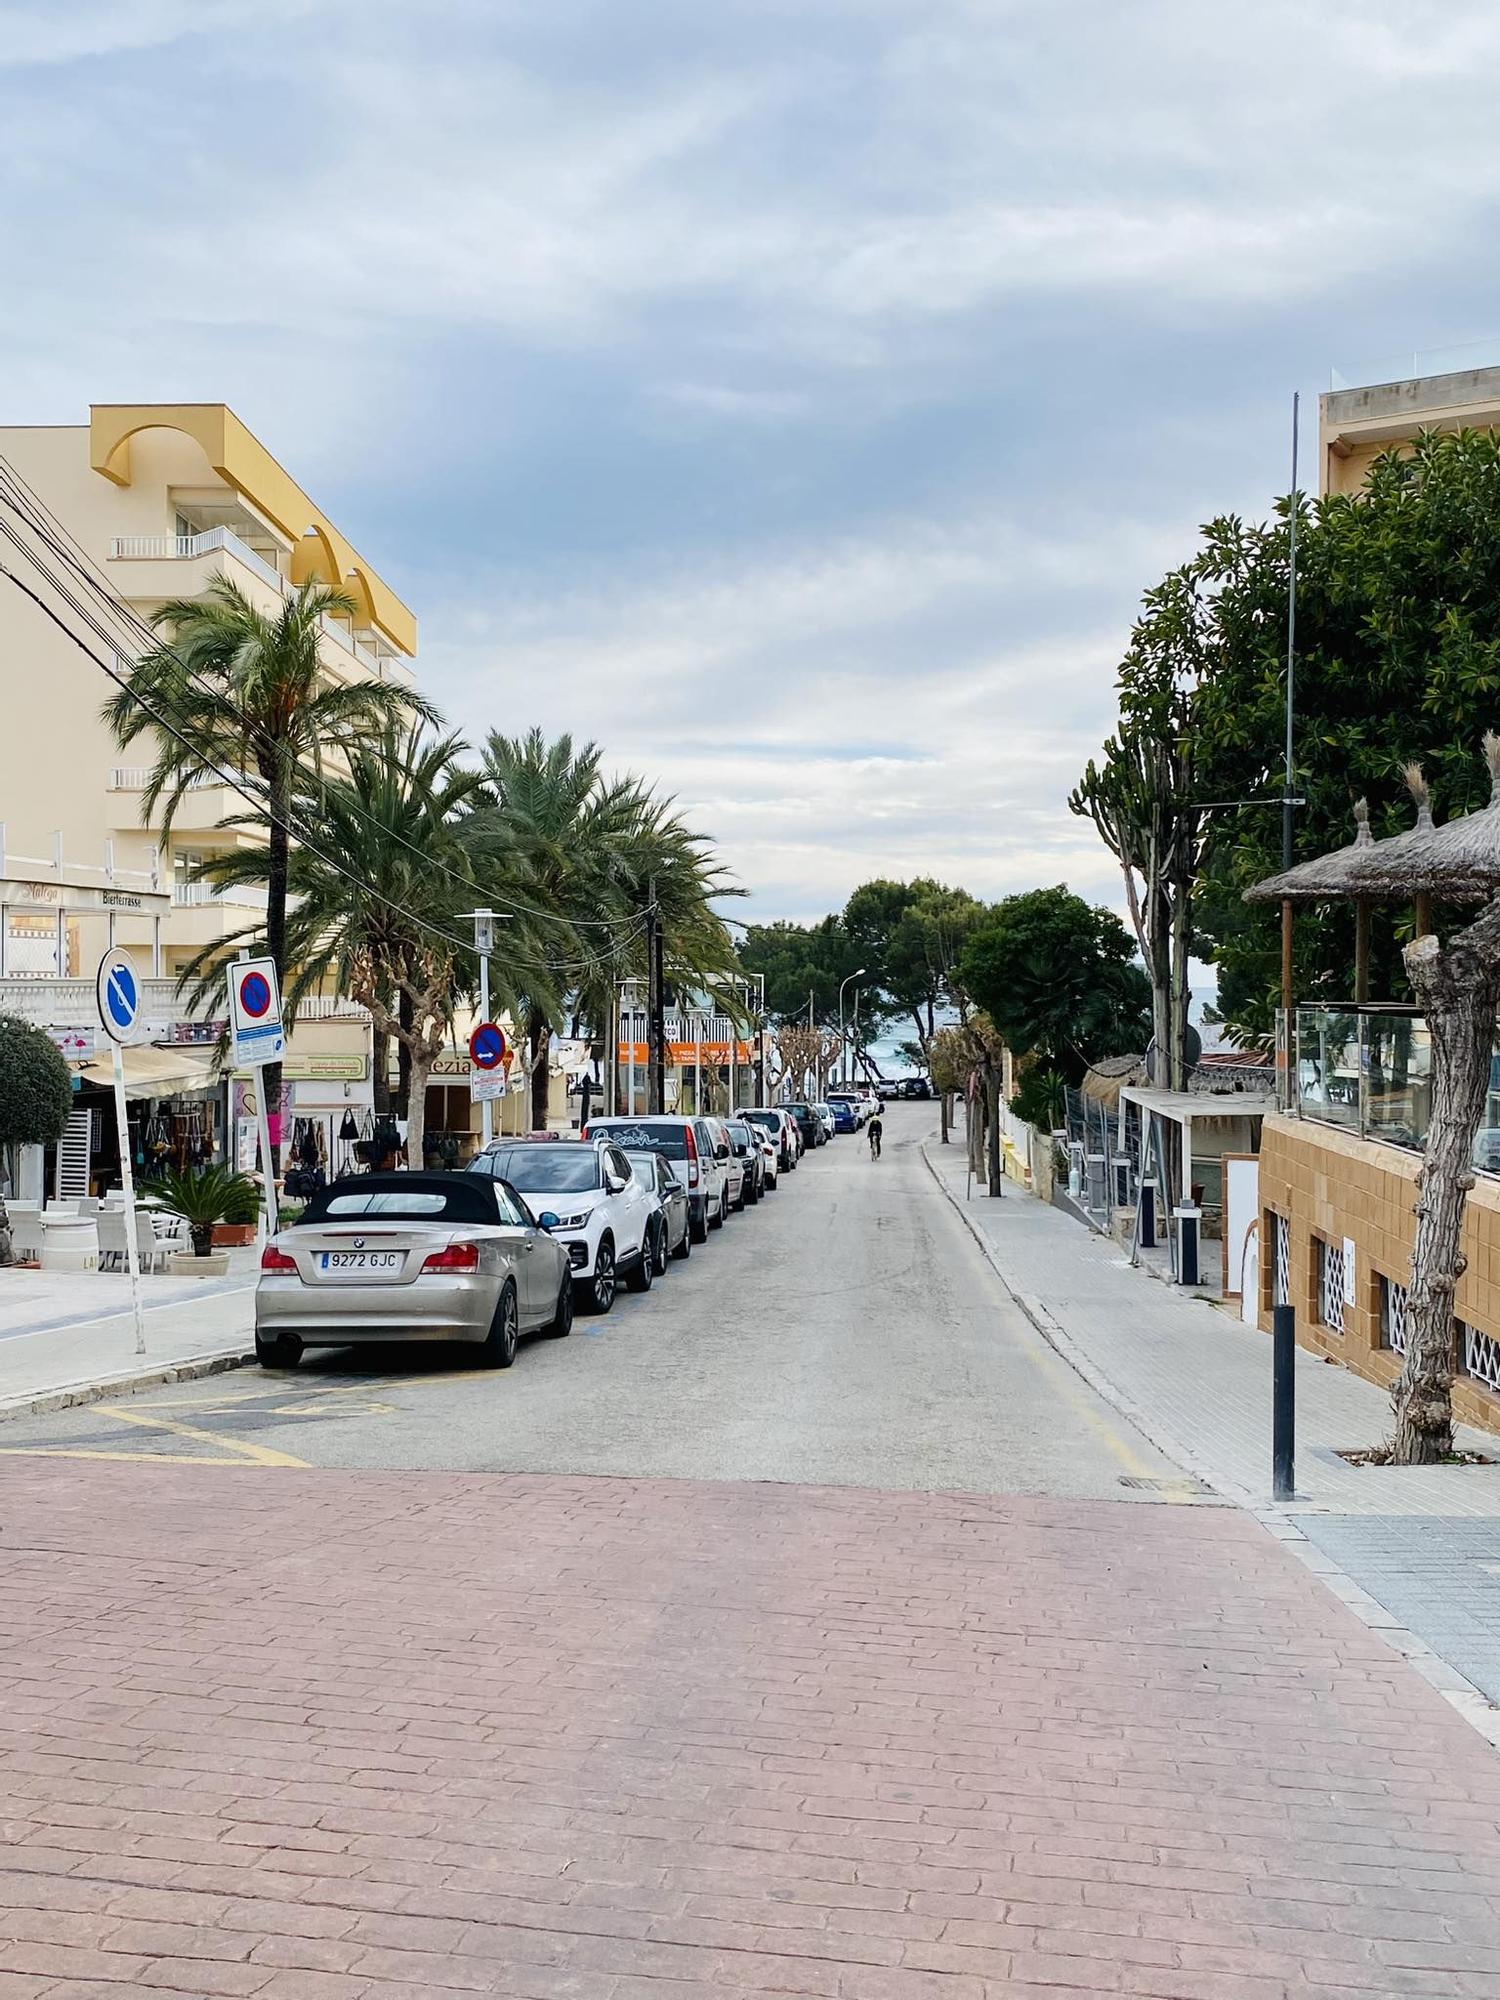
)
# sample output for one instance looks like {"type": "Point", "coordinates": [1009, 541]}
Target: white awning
{"type": "Point", "coordinates": [154, 1072]}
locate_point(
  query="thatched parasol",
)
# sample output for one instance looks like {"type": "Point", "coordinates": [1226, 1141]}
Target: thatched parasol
{"type": "Point", "coordinates": [1325, 878]}
{"type": "Point", "coordinates": [1458, 862]}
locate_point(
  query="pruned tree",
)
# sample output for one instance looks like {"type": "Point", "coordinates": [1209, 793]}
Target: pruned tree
{"type": "Point", "coordinates": [36, 1095]}
{"type": "Point", "coordinates": [426, 978]}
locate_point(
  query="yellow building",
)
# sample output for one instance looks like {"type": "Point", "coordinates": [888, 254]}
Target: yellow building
{"type": "Point", "coordinates": [1356, 425]}
{"type": "Point", "coordinates": [160, 501]}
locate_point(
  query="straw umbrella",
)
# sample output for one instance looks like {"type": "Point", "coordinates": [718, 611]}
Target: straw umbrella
{"type": "Point", "coordinates": [1326, 879]}
{"type": "Point", "coordinates": [1458, 987]}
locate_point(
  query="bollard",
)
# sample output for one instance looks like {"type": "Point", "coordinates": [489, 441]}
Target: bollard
{"type": "Point", "coordinates": [1147, 1235]}
{"type": "Point", "coordinates": [1283, 1402]}
{"type": "Point", "coordinates": [1187, 1218]}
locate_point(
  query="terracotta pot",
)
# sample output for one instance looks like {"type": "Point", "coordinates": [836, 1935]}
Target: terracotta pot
{"type": "Point", "coordinates": [231, 1235]}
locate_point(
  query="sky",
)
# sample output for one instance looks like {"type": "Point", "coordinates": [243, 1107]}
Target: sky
{"type": "Point", "coordinates": [795, 396]}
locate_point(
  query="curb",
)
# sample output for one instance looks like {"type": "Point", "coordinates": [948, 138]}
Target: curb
{"type": "Point", "coordinates": [1467, 1700]}
{"type": "Point", "coordinates": [73, 1395]}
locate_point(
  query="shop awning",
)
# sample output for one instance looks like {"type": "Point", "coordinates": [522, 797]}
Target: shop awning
{"type": "Point", "coordinates": [154, 1072]}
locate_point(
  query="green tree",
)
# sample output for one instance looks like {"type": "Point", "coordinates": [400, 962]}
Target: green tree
{"type": "Point", "coordinates": [36, 1095]}
{"type": "Point", "coordinates": [232, 688]}
{"type": "Point", "coordinates": [911, 937]}
{"type": "Point", "coordinates": [803, 964]}
{"type": "Point", "coordinates": [1057, 977]}
{"type": "Point", "coordinates": [407, 844]}
{"type": "Point", "coordinates": [1398, 661]}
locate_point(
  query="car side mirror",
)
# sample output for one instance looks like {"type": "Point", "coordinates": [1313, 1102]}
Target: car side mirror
{"type": "Point", "coordinates": [721, 1152]}
{"type": "Point", "coordinates": [548, 1219]}
{"type": "Point", "coordinates": [615, 1184]}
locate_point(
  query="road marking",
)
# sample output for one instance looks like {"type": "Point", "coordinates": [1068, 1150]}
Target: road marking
{"type": "Point", "coordinates": [236, 1451]}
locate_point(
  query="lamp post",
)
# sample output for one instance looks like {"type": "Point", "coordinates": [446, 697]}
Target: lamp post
{"type": "Point", "coordinates": [858, 973]}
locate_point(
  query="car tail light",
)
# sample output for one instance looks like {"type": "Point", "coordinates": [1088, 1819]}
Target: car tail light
{"type": "Point", "coordinates": [692, 1155]}
{"type": "Point", "coordinates": [272, 1259]}
{"type": "Point", "coordinates": [457, 1257]}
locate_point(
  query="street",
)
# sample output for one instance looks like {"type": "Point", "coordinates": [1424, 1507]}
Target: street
{"type": "Point", "coordinates": [847, 1332]}
{"type": "Point", "coordinates": [789, 1631]}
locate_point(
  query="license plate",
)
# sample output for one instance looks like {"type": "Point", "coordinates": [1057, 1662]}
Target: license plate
{"type": "Point", "coordinates": [348, 1263]}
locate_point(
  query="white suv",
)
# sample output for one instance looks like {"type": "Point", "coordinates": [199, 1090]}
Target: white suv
{"type": "Point", "coordinates": [690, 1149]}
{"type": "Point", "coordinates": [584, 1194]}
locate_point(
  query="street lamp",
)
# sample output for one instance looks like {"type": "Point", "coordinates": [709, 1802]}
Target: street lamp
{"type": "Point", "coordinates": [858, 973]}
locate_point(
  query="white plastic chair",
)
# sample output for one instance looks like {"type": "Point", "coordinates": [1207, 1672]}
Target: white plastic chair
{"type": "Point", "coordinates": [25, 1230]}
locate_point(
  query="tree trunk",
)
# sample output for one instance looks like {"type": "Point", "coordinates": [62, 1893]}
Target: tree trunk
{"type": "Point", "coordinates": [944, 1115]}
{"type": "Point", "coordinates": [406, 1016]}
{"type": "Point", "coordinates": [992, 1127]}
{"type": "Point", "coordinates": [380, 1068]}
{"type": "Point", "coordinates": [419, 1069]}
{"type": "Point", "coordinates": [538, 1040]}
{"type": "Point", "coordinates": [1457, 986]}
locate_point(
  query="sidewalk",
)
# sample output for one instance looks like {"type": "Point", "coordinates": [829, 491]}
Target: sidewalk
{"type": "Point", "coordinates": [1423, 1542]}
{"type": "Point", "coordinates": [67, 1337]}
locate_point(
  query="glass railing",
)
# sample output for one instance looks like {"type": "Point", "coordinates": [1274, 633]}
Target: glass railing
{"type": "Point", "coordinates": [1369, 1070]}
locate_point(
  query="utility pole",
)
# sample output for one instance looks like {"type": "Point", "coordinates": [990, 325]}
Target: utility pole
{"type": "Point", "coordinates": [656, 1010]}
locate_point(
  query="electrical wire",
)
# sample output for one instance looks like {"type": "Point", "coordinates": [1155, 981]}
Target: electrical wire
{"type": "Point", "coordinates": [165, 718]}
{"type": "Point", "coordinates": [24, 501]}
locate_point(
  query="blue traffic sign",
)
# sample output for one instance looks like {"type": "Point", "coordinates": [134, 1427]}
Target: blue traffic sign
{"type": "Point", "coordinates": [117, 989]}
{"type": "Point", "coordinates": [487, 1046]}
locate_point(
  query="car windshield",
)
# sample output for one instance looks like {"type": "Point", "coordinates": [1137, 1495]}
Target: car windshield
{"type": "Point", "coordinates": [668, 1140]}
{"type": "Point", "coordinates": [643, 1166]}
{"type": "Point", "coordinates": [556, 1169]}
{"type": "Point", "coordinates": [739, 1137]}
{"type": "Point", "coordinates": [770, 1119]}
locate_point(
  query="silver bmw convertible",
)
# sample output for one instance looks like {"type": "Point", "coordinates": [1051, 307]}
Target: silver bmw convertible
{"type": "Point", "coordinates": [411, 1256]}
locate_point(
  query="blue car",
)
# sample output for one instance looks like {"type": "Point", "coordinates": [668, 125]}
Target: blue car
{"type": "Point", "coordinates": [845, 1117]}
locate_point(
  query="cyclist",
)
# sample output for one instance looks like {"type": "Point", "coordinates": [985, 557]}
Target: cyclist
{"type": "Point", "coordinates": [876, 1128]}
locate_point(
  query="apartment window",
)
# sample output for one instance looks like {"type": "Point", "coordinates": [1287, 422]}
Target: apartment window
{"type": "Point", "coordinates": [1393, 1327]}
{"type": "Point", "coordinates": [1280, 1231]}
{"type": "Point", "coordinates": [1330, 1284]}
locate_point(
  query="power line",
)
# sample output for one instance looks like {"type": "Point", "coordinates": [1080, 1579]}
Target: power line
{"type": "Point", "coordinates": [25, 502]}
{"type": "Point", "coordinates": [165, 718]}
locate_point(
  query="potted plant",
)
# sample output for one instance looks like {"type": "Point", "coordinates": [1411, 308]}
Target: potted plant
{"type": "Point", "coordinates": [241, 1213]}
{"type": "Point", "coordinates": [204, 1197]}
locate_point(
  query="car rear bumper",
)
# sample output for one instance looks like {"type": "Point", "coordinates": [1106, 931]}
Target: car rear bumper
{"type": "Point", "coordinates": [344, 1315]}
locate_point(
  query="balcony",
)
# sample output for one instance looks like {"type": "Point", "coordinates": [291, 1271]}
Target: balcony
{"type": "Point", "coordinates": [225, 542]}
{"type": "Point", "coordinates": [207, 802]}
{"type": "Point", "coordinates": [1368, 1071]}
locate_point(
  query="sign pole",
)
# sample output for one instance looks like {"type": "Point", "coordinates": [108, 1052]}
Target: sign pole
{"type": "Point", "coordinates": [127, 1184]}
{"type": "Point", "coordinates": [486, 1109]}
{"type": "Point", "coordinates": [263, 1121]}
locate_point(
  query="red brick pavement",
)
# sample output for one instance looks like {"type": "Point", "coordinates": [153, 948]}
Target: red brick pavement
{"type": "Point", "coordinates": [315, 1736]}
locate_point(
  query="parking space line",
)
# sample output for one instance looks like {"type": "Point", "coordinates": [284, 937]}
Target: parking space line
{"type": "Point", "coordinates": [237, 1451]}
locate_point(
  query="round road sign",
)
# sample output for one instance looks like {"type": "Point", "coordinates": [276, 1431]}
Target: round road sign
{"type": "Point", "coordinates": [255, 995]}
{"type": "Point", "coordinates": [117, 988]}
{"type": "Point", "coordinates": [487, 1046]}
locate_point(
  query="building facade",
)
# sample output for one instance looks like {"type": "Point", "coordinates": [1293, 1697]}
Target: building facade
{"type": "Point", "coordinates": [160, 501]}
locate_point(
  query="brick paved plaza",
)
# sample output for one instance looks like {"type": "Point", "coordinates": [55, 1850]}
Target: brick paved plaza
{"type": "Point", "coordinates": [334, 1735]}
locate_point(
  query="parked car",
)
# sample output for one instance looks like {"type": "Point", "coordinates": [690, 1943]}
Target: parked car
{"type": "Point", "coordinates": [411, 1256]}
{"type": "Point", "coordinates": [887, 1089]}
{"type": "Point", "coordinates": [670, 1235]}
{"type": "Point", "coordinates": [825, 1119]}
{"type": "Point", "coordinates": [734, 1167]}
{"type": "Point", "coordinates": [809, 1124]}
{"type": "Point", "coordinates": [600, 1212]}
{"type": "Point", "coordinates": [867, 1097]}
{"type": "Point", "coordinates": [845, 1114]}
{"type": "Point", "coordinates": [689, 1149]}
{"type": "Point", "coordinates": [914, 1086]}
{"type": "Point", "coordinates": [780, 1131]}
{"type": "Point", "coordinates": [848, 1097]}
{"type": "Point", "coordinates": [747, 1151]}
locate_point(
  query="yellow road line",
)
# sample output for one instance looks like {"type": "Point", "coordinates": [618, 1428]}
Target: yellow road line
{"type": "Point", "coordinates": [123, 1457]}
{"type": "Point", "coordinates": [253, 1454]}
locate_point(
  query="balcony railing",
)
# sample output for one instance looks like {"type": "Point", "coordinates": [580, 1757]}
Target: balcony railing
{"type": "Point", "coordinates": [182, 548]}
{"type": "Point", "coordinates": [136, 777]}
{"type": "Point", "coordinates": [1368, 1070]}
{"type": "Point", "coordinates": [198, 895]}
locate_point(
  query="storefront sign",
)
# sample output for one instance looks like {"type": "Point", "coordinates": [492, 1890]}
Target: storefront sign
{"type": "Point", "coordinates": [685, 1054]}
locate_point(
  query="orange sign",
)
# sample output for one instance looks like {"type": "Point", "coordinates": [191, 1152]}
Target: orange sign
{"type": "Point", "coordinates": [684, 1054]}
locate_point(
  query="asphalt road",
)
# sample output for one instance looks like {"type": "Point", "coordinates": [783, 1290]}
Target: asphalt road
{"type": "Point", "coordinates": [846, 1332]}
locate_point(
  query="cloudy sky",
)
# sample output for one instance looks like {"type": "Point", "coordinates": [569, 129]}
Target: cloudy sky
{"type": "Point", "coordinates": [794, 395]}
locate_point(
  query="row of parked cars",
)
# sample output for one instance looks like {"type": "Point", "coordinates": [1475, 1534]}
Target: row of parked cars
{"type": "Point", "coordinates": [531, 1231]}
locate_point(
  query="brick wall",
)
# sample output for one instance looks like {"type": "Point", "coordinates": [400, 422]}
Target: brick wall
{"type": "Point", "coordinates": [1333, 1185]}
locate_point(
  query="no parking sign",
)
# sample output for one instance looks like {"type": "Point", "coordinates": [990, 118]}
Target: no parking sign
{"type": "Point", "coordinates": [255, 1031]}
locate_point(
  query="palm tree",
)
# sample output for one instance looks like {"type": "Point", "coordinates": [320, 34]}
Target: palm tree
{"type": "Point", "coordinates": [406, 836]}
{"type": "Point", "coordinates": [588, 853]}
{"type": "Point", "coordinates": [564, 831]}
{"type": "Point", "coordinates": [235, 689]}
